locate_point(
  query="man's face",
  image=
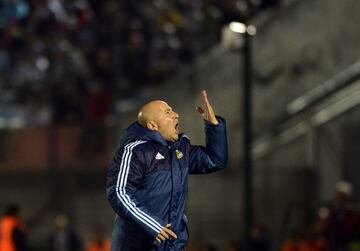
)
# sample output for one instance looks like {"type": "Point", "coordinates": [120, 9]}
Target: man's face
{"type": "Point", "coordinates": [167, 122]}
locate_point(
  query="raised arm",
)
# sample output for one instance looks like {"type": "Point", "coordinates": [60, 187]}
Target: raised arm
{"type": "Point", "coordinates": [213, 156]}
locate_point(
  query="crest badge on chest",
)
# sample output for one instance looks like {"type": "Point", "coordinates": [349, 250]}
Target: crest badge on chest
{"type": "Point", "coordinates": [179, 154]}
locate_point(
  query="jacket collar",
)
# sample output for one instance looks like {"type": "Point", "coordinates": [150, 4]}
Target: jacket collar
{"type": "Point", "coordinates": [136, 132]}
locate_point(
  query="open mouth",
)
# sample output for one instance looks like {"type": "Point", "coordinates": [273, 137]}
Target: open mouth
{"type": "Point", "coordinates": [177, 128]}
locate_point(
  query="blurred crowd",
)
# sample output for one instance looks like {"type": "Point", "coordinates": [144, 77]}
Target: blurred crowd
{"type": "Point", "coordinates": [334, 226]}
{"type": "Point", "coordinates": [65, 61]}
{"type": "Point", "coordinates": [14, 235]}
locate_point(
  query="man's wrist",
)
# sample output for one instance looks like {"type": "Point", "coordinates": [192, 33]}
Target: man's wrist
{"type": "Point", "coordinates": [214, 121]}
{"type": "Point", "coordinates": [217, 119]}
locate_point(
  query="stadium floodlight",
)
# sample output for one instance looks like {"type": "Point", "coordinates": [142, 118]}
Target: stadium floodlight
{"type": "Point", "coordinates": [242, 28]}
{"type": "Point", "coordinates": [237, 27]}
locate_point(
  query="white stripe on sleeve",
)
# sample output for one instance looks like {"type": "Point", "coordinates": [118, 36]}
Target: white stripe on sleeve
{"type": "Point", "coordinates": [121, 189]}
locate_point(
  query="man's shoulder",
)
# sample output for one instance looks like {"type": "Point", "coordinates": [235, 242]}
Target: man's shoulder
{"type": "Point", "coordinates": [133, 144]}
{"type": "Point", "coordinates": [140, 146]}
{"type": "Point", "coordinates": [184, 141]}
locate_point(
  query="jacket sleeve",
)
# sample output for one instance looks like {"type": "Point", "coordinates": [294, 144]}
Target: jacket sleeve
{"type": "Point", "coordinates": [124, 176]}
{"type": "Point", "coordinates": [214, 155]}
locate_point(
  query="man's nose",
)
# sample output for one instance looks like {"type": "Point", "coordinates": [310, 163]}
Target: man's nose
{"type": "Point", "coordinates": [176, 116]}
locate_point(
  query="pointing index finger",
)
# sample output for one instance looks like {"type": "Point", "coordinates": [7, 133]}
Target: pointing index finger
{"type": "Point", "coordinates": [204, 97]}
{"type": "Point", "coordinates": [205, 100]}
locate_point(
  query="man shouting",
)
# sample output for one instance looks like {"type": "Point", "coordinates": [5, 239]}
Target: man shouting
{"type": "Point", "coordinates": [147, 181]}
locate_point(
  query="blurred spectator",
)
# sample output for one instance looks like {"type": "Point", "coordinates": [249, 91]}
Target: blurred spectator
{"type": "Point", "coordinates": [63, 238]}
{"type": "Point", "coordinates": [13, 234]}
{"type": "Point", "coordinates": [344, 218]}
{"type": "Point", "coordinates": [335, 227]}
{"type": "Point", "coordinates": [98, 242]}
{"type": "Point", "coordinates": [307, 242]}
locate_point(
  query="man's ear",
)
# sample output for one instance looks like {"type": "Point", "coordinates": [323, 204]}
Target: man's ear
{"type": "Point", "coordinates": [152, 125]}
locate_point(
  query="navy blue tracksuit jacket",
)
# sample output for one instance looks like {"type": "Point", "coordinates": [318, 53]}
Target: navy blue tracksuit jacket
{"type": "Point", "coordinates": [147, 184]}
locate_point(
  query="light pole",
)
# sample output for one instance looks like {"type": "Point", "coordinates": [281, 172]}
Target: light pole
{"type": "Point", "coordinates": [246, 31]}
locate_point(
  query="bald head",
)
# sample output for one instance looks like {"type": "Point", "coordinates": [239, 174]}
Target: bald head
{"type": "Point", "coordinates": [149, 112]}
{"type": "Point", "coordinates": [158, 116]}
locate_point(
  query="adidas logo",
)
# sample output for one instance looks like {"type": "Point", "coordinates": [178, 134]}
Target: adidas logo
{"type": "Point", "coordinates": [159, 156]}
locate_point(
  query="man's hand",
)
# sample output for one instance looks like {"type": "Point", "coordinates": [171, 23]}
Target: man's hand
{"type": "Point", "coordinates": [207, 111]}
{"type": "Point", "coordinates": [165, 234]}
